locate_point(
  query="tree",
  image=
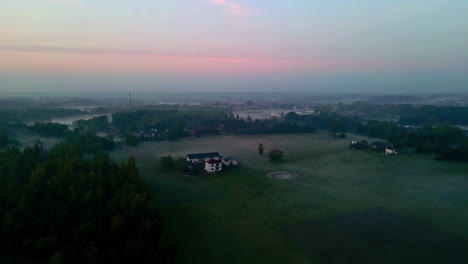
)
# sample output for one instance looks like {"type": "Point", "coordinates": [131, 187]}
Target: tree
{"type": "Point", "coordinates": [167, 163]}
{"type": "Point", "coordinates": [276, 155]}
{"type": "Point", "coordinates": [50, 129]}
{"type": "Point", "coordinates": [260, 149]}
{"type": "Point", "coordinates": [181, 165]}
{"type": "Point", "coordinates": [57, 258]}
{"type": "Point", "coordinates": [131, 140]}
{"type": "Point", "coordinates": [335, 126]}
{"type": "Point", "coordinates": [3, 138]}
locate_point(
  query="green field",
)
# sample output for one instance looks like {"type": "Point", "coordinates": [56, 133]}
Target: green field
{"type": "Point", "coordinates": [345, 206]}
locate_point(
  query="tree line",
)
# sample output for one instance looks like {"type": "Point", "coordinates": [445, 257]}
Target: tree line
{"type": "Point", "coordinates": [26, 114]}
{"type": "Point", "coordinates": [77, 210]}
{"type": "Point", "coordinates": [414, 114]}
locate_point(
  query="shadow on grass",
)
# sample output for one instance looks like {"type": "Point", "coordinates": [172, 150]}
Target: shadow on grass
{"type": "Point", "coordinates": [377, 236]}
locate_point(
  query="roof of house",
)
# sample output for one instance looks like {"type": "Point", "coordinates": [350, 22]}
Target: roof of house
{"type": "Point", "coordinates": [379, 144]}
{"type": "Point", "coordinates": [213, 161]}
{"type": "Point", "coordinates": [203, 155]}
{"type": "Point", "coordinates": [227, 159]}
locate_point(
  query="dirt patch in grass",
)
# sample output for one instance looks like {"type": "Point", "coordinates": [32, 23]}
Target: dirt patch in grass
{"type": "Point", "coordinates": [282, 175]}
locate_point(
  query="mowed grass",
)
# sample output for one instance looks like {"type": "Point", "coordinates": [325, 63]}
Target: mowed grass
{"type": "Point", "coordinates": [242, 216]}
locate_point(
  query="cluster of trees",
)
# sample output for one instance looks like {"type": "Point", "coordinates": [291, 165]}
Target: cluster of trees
{"type": "Point", "coordinates": [170, 124]}
{"type": "Point", "coordinates": [4, 138]}
{"type": "Point", "coordinates": [131, 139]}
{"type": "Point", "coordinates": [88, 142]}
{"type": "Point", "coordinates": [275, 155]}
{"type": "Point", "coordinates": [95, 124]}
{"type": "Point", "coordinates": [85, 141]}
{"type": "Point", "coordinates": [58, 204]}
{"type": "Point", "coordinates": [179, 165]}
{"type": "Point", "coordinates": [174, 124]}
{"type": "Point", "coordinates": [448, 142]}
{"type": "Point", "coordinates": [50, 129]}
{"type": "Point", "coordinates": [26, 114]}
{"type": "Point", "coordinates": [414, 115]}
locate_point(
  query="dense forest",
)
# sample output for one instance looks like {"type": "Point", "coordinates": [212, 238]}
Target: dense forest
{"type": "Point", "coordinates": [173, 124]}
{"type": "Point", "coordinates": [170, 124]}
{"type": "Point", "coordinates": [413, 114]}
{"type": "Point", "coordinates": [4, 137]}
{"type": "Point", "coordinates": [27, 114]}
{"type": "Point", "coordinates": [59, 205]}
{"type": "Point", "coordinates": [50, 129]}
{"type": "Point", "coordinates": [95, 124]}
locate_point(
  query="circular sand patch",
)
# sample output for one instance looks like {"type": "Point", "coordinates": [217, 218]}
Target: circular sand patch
{"type": "Point", "coordinates": [282, 175]}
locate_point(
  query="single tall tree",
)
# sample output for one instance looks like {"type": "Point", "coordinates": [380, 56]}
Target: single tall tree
{"type": "Point", "coordinates": [260, 149]}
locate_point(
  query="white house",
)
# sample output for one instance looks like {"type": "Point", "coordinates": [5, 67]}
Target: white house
{"type": "Point", "coordinates": [229, 162]}
{"type": "Point", "coordinates": [213, 165]}
{"type": "Point", "coordinates": [203, 157]}
{"type": "Point", "coordinates": [390, 151]}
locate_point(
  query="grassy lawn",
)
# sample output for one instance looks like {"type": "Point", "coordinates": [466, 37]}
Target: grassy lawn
{"type": "Point", "coordinates": [345, 206]}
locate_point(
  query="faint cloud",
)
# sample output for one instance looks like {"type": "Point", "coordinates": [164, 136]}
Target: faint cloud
{"type": "Point", "coordinates": [231, 8]}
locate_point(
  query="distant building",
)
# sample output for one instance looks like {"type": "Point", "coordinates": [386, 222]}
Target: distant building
{"type": "Point", "coordinates": [203, 157]}
{"type": "Point", "coordinates": [213, 161]}
{"type": "Point", "coordinates": [229, 162]}
{"type": "Point", "coordinates": [390, 150]}
{"type": "Point", "coordinates": [213, 165]}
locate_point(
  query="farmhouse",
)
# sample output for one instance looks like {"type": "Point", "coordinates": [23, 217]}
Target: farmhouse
{"type": "Point", "coordinates": [212, 160]}
{"type": "Point", "coordinates": [213, 165]}
{"type": "Point", "coordinates": [227, 161]}
{"type": "Point", "coordinates": [203, 157]}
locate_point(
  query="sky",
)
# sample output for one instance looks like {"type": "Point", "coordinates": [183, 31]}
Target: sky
{"type": "Point", "coordinates": [234, 45]}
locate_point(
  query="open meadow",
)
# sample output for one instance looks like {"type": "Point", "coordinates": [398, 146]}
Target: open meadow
{"type": "Point", "coordinates": [344, 206]}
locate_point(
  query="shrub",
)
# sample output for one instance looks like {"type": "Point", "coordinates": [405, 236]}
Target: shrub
{"type": "Point", "coordinates": [276, 155]}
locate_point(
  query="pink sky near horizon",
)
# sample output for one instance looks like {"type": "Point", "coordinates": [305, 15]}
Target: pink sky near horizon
{"type": "Point", "coordinates": [231, 36]}
{"type": "Point", "coordinates": [63, 61]}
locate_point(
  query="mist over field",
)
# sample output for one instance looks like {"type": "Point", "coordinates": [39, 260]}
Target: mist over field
{"type": "Point", "coordinates": [234, 131]}
{"type": "Point", "coordinates": [116, 85]}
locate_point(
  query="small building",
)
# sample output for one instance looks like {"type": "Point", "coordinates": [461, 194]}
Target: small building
{"type": "Point", "coordinates": [390, 150]}
{"type": "Point", "coordinates": [213, 165]}
{"type": "Point", "coordinates": [229, 162]}
{"type": "Point", "coordinates": [203, 157]}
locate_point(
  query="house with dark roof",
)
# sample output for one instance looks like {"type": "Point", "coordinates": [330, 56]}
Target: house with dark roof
{"type": "Point", "coordinates": [202, 157]}
{"type": "Point", "coordinates": [227, 161]}
{"type": "Point", "coordinates": [212, 160]}
{"type": "Point", "coordinates": [378, 146]}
